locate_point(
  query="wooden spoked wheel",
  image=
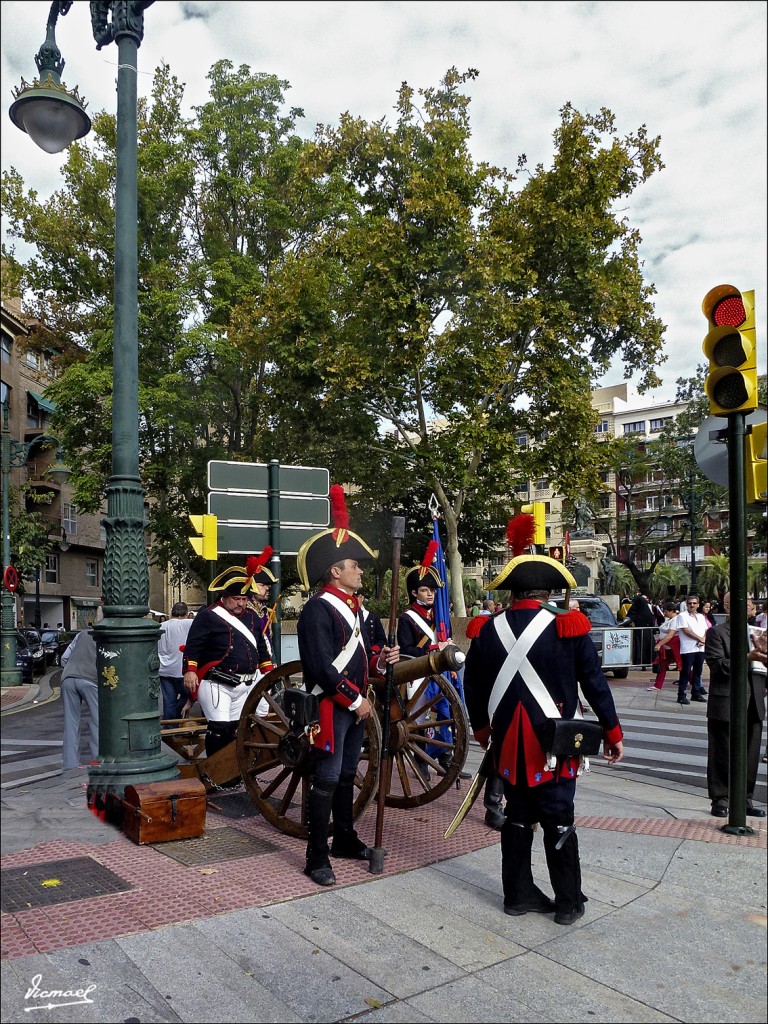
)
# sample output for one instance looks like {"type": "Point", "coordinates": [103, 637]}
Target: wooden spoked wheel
{"type": "Point", "coordinates": [275, 764]}
{"type": "Point", "coordinates": [422, 734]}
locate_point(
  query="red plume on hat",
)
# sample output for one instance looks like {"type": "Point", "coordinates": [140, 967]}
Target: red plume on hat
{"type": "Point", "coordinates": [428, 559]}
{"type": "Point", "coordinates": [255, 563]}
{"type": "Point", "coordinates": [339, 513]}
{"type": "Point", "coordinates": [520, 533]}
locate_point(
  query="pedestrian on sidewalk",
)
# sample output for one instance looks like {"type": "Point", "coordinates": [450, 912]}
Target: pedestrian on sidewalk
{"type": "Point", "coordinates": [667, 647]}
{"type": "Point", "coordinates": [337, 660]}
{"type": "Point", "coordinates": [522, 670]}
{"type": "Point", "coordinates": [173, 637]}
{"type": "Point", "coordinates": [718, 657]}
{"type": "Point", "coordinates": [691, 627]}
{"type": "Point", "coordinates": [643, 620]}
{"type": "Point", "coordinates": [79, 685]}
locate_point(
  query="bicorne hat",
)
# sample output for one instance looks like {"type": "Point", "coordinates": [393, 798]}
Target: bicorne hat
{"type": "Point", "coordinates": [319, 553]}
{"type": "Point", "coordinates": [424, 574]}
{"type": "Point", "coordinates": [237, 581]}
{"type": "Point", "coordinates": [529, 572]}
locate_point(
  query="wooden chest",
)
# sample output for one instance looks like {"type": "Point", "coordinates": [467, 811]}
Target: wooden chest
{"type": "Point", "coordinates": [154, 812]}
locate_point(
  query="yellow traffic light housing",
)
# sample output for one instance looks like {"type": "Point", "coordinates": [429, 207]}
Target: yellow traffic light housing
{"type": "Point", "coordinates": [537, 510]}
{"type": "Point", "coordinates": [206, 544]}
{"type": "Point", "coordinates": [731, 349]}
{"type": "Point", "coordinates": [757, 477]}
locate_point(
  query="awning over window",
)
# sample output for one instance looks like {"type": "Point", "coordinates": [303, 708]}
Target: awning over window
{"type": "Point", "coordinates": [43, 403]}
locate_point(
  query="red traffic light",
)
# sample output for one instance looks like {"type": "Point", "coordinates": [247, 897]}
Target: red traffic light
{"type": "Point", "coordinates": [729, 312]}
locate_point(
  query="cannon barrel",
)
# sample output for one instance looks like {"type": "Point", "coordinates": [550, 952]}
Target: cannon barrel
{"type": "Point", "coordinates": [450, 659]}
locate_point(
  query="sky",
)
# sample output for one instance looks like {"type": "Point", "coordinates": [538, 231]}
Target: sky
{"type": "Point", "coordinates": [693, 73]}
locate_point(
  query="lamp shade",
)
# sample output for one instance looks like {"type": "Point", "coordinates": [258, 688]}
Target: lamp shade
{"type": "Point", "coordinates": [52, 117]}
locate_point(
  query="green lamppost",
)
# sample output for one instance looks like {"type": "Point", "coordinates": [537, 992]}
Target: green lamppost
{"type": "Point", "coordinates": [14, 454]}
{"type": "Point", "coordinates": [129, 718]}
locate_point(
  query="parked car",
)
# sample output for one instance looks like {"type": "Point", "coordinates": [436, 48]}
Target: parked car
{"type": "Point", "coordinates": [54, 645]}
{"type": "Point", "coordinates": [28, 642]}
{"type": "Point", "coordinates": [601, 616]}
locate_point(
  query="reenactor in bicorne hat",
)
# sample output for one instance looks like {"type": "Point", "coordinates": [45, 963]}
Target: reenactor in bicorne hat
{"type": "Point", "coordinates": [523, 669]}
{"type": "Point", "coordinates": [417, 636]}
{"type": "Point", "coordinates": [226, 652]}
{"type": "Point", "coordinates": [257, 602]}
{"type": "Point", "coordinates": [337, 660]}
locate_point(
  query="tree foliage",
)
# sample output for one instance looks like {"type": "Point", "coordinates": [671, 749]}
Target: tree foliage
{"type": "Point", "coordinates": [374, 301]}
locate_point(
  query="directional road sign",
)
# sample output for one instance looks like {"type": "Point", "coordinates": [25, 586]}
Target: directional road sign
{"type": "Point", "coordinates": [254, 477]}
{"type": "Point", "coordinates": [293, 510]}
{"type": "Point", "coordinates": [245, 538]}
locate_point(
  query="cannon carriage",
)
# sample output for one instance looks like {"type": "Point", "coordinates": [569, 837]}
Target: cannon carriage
{"type": "Point", "coordinates": [272, 758]}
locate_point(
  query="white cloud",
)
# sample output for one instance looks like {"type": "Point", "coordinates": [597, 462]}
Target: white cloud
{"type": "Point", "coordinates": [694, 73]}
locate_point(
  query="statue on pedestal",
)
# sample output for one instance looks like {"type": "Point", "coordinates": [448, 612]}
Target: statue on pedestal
{"type": "Point", "coordinates": [583, 519]}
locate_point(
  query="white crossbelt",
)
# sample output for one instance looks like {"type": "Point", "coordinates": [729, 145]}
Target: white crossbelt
{"type": "Point", "coordinates": [237, 624]}
{"type": "Point", "coordinates": [347, 652]}
{"type": "Point", "coordinates": [412, 687]}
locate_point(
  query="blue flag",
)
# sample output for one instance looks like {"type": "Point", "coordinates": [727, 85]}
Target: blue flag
{"type": "Point", "coordinates": [442, 600]}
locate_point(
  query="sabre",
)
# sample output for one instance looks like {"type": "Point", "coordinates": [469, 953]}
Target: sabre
{"type": "Point", "coordinates": [485, 769]}
{"type": "Point", "coordinates": [376, 863]}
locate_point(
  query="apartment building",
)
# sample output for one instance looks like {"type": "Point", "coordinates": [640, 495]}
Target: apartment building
{"type": "Point", "coordinates": [67, 587]}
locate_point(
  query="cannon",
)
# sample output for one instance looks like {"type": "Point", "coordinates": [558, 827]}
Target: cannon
{"type": "Point", "coordinates": [274, 762]}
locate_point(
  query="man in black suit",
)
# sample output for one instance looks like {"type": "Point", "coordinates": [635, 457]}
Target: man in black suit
{"type": "Point", "coordinates": [717, 654]}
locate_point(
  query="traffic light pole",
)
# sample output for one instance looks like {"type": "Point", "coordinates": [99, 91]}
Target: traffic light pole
{"type": "Point", "coordinates": [737, 767]}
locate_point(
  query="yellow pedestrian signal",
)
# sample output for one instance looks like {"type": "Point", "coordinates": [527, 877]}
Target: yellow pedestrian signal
{"type": "Point", "coordinates": [731, 349]}
{"type": "Point", "coordinates": [757, 477]}
{"type": "Point", "coordinates": [537, 510]}
{"type": "Point", "coordinates": [206, 544]}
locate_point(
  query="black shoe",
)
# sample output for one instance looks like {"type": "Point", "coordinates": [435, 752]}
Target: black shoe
{"type": "Point", "coordinates": [683, 700]}
{"type": "Point", "coordinates": [703, 692]}
{"type": "Point", "coordinates": [719, 809]}
{"type": "Point", "coordinates": [568, 917]}
{"type": "Point", "coordinates": [539, 906]}
{"type": "Point", "coordinates": [321, 876]}
{"type": "Point", "coordinates": [495, 819]}
{"type": "Point", "coordinates": [351, 851]}
{"type": "Point", "coordinates": [755, 812]}
{"type": "Point", "coordinates": [699, 699]}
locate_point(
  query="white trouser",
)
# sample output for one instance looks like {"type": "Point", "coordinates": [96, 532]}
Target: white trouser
{"type": "Point", "coordinates": [222, 703]}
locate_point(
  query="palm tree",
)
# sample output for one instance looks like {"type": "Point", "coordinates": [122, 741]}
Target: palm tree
{"type": "Point", "coordinates": [714, 577]}
{"type": "Point", "coordinates": [668, 575]}
{"type": "Point", "coordinates": [757, 577]}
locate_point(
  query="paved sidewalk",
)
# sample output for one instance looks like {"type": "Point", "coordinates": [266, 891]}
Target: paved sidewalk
{"type": "Point", "coordinates": [674, 928]}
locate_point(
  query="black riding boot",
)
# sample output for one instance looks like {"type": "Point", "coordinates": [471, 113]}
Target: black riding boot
{"type": "Point", "coordinates": [564, 872]}
{"type": "Point", "coordinates": [521, 894]}
{"type": "Point", "coordinates": [346, 842]}
{"type": "Point", "coordinates": [493, 797]}
{"type": "Point", "coordinates": [319, 804]}
{"type": "Point", "coordinates": [217, 736]}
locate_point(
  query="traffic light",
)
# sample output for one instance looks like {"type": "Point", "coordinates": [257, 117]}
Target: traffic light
{"type": "Point", "coordinates": [206, 544]}
{"type": "Point", "coordinates": [536, 509]}
{"type": "Point", "coordinates": [731, 349]}
{"type": "Point", "coordinates": [558, 553]}
{"type": "Point", "coordinates": [757, 482]}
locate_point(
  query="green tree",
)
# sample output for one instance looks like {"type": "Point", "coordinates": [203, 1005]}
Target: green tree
{"type": "Point", "coordinates": [465, 307]}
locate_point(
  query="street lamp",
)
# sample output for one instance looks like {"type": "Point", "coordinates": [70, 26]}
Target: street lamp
{"type": "Point", "coordinates": [126, 640]}
{"type": "Point", "coordinates": [14, 454]}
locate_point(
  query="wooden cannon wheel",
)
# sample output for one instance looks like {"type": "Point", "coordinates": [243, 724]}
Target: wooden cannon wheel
{"type": "Point", "coordinates": [275, 765]}
{"type": "Point", "coordinates": [413, 721]}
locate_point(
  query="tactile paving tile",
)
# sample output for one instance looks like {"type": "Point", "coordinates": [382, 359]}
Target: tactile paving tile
{"type": "Point", "coordinates": [57, 881]}
{"type": "Point", "coordinates": [216, 845]}
{"type": "Point", "coordinates": [233, 805]}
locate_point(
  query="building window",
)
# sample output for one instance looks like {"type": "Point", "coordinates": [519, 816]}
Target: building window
{"type": "Point", "coordinates": [602, 427]}
{"type": "Point", "coordinates": [69, 518]}
{"type": "Point", "coordinates": [35, 418]}
{"type": "Point", "coordinates": [660, 424]}
{"type": "Point", "coordinates": [522, 440]}
{"type": "Point", "coordinates": [605, 501]}
{"type": "Point", "coordinates": [542, 484]}
{"type": "Point", "coordinates": [653, 503]}
{"type": "Point", "coordinates": [92, 572]}
{"type": "Point", "coordinates": [51, 568]}
{"type": "Point", "coordinates": [638, 427]}
{"type": "Point", "coordinates": [32, 360]}
{"type": "Point", "coordinates": [6, 348]}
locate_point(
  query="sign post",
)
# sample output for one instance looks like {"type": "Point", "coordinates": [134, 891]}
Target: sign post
{"type": "Point", "coordinates": [265, 503]}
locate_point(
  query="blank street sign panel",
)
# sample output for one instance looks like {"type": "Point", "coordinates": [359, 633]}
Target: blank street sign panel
{"type": "Point", "coordinates": [254, 477]}
{"type": "Point", "coordinates": [293, 510]}
{"type": "Point", "coordinates": [250, 538]}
